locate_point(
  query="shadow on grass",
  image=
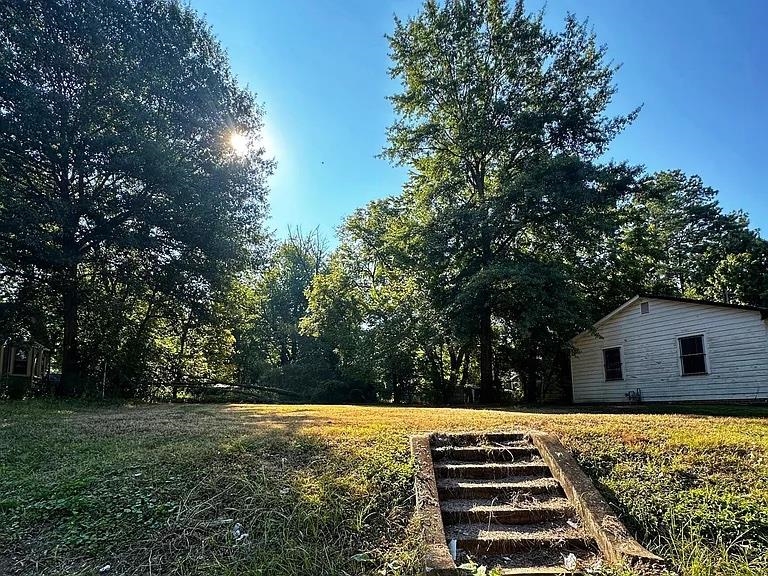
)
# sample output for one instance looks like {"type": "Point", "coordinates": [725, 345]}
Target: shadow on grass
{"type": "Point", "coordinates": [195, 490]}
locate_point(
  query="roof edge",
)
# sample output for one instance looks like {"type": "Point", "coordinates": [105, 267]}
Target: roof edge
{"type": "Point", "coordinates": [609, 315]}
{"type": "Point", "coordinates": [763, 311]}
{"type": "Point", "coordinates": [636, 297]}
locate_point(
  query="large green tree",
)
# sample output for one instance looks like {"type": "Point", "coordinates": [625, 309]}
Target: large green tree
{"type": "Point", "coordinates": [674, 238]}
{"type": "Point", "coordinates": [115, 168]}
{"type": "Point", "coordinates": [374, 308]}
{"type": "Point", "coordinates": [270, 338]}
{"type": "Point", "coordinates": [501, 121]}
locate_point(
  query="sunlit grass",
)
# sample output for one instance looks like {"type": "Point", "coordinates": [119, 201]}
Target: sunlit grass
{"type": "Point", "coordinates": [328, 489]}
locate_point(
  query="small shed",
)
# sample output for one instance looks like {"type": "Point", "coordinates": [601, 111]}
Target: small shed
{"type": "Point", "coordinates": [667, 349]}
{"type": "Point", "coordinates": [23, 365]}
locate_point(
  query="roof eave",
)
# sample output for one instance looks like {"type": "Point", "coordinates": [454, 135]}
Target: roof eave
{"type": "Point", "coordinates": [632, 300]}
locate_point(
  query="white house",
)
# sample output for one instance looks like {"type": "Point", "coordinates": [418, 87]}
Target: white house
{"type": "Point", "coordinates": [664, 349]}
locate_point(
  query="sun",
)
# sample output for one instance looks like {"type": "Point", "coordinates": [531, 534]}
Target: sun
{"type": "Point", "coordinates": [239, 142]}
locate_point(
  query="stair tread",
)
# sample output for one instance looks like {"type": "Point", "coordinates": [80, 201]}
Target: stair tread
{"type": "Point", "coordinates": [470, 465]}
{"type": "Point", "coordinates": [523, 448]}
{"type": "Point", "coordinates": [491, 504]}
{"type": "Point", "coordinates": [472, 439]}
{"type": "Point", "coordinates": [538, 571]}
{"type": "Point", "coordinates": [529, 468]}
{"type": "Point", "coordinates": [540, 561]}
{"type": "Point", "coordinates": [513, 435]}
{"type": "Point", "coordinates": [485, 453]}
{"type": "Point", "coordinates": [490, 469]}
{"type": "Point", "coordinates": [521, 483]}
{"type": "Point", "coordinates": [554, 531]}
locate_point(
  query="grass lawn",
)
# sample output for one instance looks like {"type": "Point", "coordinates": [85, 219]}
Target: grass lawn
{"type": "Point", "coordinates": [161, 489]}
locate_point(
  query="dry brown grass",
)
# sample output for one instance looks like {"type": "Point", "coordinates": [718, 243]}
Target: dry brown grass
{"type": "Point", "coordinates": [327, 489]}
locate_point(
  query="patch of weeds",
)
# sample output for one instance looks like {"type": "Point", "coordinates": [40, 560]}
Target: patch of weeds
{"type": "Point", "coordinates": [685, 546]}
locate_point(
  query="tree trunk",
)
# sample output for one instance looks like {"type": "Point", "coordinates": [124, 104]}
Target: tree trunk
{"type": "Point", "coordinates": [531, 393]}
{"type": "Point", "coordinates": [487, 385]}
{"type": "Point", "coordinates": [397, 392]}
{"type": "Point", "coordinates": [438, 385]}
{"type": "Point", "coordinates": [180, 357]}
{"type": "Point", "coordinates": [453, 375]}
{"type": "Point", "coordinates": [465, 369]}
{"type": "Point", "coordinates": [70, 355]}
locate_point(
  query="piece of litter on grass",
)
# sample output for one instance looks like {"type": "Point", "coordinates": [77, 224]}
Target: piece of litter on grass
{"type": "Point", "coordinates": [104, 569]}
{"type": "Point", "coordinates": [452, 548]}
{"type": "Point", "coordinates": [570, 561]}
{"type": "Point", "coordinates": [572, 523]}
{"type": "Point", "coordinates": [237, 530]}
{"type": "Point", "coordinates": [362, 557]}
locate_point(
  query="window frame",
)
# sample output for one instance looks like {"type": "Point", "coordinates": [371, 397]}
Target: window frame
{"type": "Point", "coordinates": [620, 348]}
{"type": "Point", "coordinates": [4, 356]}
{"type": "Point", "coordinates": [705, 354]}
{"type": "Point", "coordinates": [35, 370]}
{"type": "Point", "coordinates": [645, 308]}
{"type": "Point", "coordinates": [15, 350]}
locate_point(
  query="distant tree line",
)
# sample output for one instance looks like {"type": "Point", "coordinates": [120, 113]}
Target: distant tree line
{"type": "Point", "coordinates": [132, 239]}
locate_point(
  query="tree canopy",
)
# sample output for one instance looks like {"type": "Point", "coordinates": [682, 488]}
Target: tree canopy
{"type": "Point", "coordinates": [121, 197]}
{"type": "Point", "coordinates": [501, 122]}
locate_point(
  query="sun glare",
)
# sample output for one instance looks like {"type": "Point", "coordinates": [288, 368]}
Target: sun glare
{"type": "Point", "coordinates": [239, 143]}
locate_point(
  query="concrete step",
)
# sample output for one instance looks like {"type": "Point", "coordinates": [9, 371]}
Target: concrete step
{"type": "Point", "coordinates": [498, 505]}
{"type": "Point", "coordinates": [541, 562]}
{"type": "Point", "coordinates": [454, 469]}
{"type": "Point", "coordinates": [538, 571]}
{"type": "Point", "coordinates": [522, 485]}
{"type": "Point", "coordinates": [485, 453]}
{"type": "Point", "coordinates": [523, 511]}
{"type": "Point", "coordinates": [474, 439]}
{"type": "Point", "coordinates": [499, 539]}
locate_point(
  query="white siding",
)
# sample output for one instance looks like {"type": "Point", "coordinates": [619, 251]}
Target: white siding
{"type": "Point", "coordinates": [735, 340]}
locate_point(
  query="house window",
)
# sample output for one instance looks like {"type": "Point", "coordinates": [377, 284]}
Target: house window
{"type": "Point", "coordinates": [20, 361]}
{"type": "Point", "coordinates": [645, 307]}
{"type": "Point", "coordinates": [612, 364]}
{"type": "Point", "coordinates": [693, 359]}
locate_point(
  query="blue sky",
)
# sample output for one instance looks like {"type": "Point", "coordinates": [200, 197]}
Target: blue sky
{"type": "Point", "coordinates": [699, 67]}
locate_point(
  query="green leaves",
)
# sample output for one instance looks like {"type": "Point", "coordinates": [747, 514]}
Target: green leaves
{"type": "Point", "coordinates": [119, 189]}
{"type": "Point", "coordinates": [674, 238]}
{"type": "Point", "coordinates": [500, 120]}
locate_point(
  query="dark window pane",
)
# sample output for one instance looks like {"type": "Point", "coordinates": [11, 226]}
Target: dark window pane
{"type": "Point", "coordinates": [612, 363]}
{"type": "Point", "coordinates": [694, 364]}
{"type": "Point", "coordinates": [644, 308]}
{"type": "Point", "coordinates": [612, 355]}
{"type": "Point", "coordinates": [613, 374]}
{"type": "Point", "coordinates": [691, 345]}
{"type": "Point", "coordinates": [692, 355]}
{"type": "Point", "coordinates": [20, 361]}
